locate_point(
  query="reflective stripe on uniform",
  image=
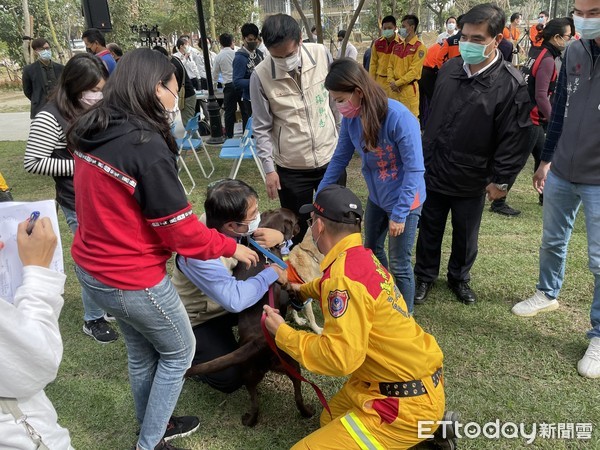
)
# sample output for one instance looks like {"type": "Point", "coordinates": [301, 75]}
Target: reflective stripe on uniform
{"type": "Point", "coordinates": [359, 433]}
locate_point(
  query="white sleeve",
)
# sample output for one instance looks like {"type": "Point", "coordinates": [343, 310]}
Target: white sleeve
{"type": "Point", "coordinates": [30, 343]}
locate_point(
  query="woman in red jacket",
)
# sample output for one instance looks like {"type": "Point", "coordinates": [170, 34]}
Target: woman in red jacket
{"type": "Point", "coordinates": [133, 214]}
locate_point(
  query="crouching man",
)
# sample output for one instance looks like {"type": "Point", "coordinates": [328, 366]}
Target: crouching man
{"type": "Point", "coordinates": [395, 367]}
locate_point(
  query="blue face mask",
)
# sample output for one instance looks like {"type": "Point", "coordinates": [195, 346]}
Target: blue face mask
{"type": "Point", "coordinates": [589, 28]}
{"type": "Point", "coordinates": [388, 34]}
{"type": "Point", "coordinates": [403, 32]}
{"type": "Point", "coordinates": [45, 55]}
{"type": "Point", "coordinates": [473, 53]}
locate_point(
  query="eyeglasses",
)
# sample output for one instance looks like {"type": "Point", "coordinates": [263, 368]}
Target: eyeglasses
{"type": "Point", "coordinates": [310, 222]}
{"type": "Point", "coordinates": [247, 222]}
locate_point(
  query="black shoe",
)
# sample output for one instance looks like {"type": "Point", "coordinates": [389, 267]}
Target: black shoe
{"type": "Point", "coordinates": [505, 210]}
{"type": "Point", "coordinates": [422, 289]}
{"type": "Point", "coordinates": [100, 330]}
{"type": "Point", "coordinates": [444, 437]}
{"type": "Point", "coordinates": [181, 427]}
{"type": "Point", "coordinates": [463, 291]}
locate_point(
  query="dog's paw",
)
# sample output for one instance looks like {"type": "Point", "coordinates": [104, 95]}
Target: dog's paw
{"type": "Point", "coordinates": [249, 419]}
{"type": "Point", "coordinates": [317, 329]}
{"type": "Point", "coordinates": [307, 411]}
{"type": "Point", "coordinates": [300, 321]}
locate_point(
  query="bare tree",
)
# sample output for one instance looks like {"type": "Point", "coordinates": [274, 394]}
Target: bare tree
{"type": "Point", "coordinates": [350, 26]}
{"type": "Point", "coordinates": [302, 16]}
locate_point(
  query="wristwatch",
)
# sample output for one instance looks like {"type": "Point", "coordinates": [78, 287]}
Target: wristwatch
{"type": "Point", "coordinates": [501, 187]}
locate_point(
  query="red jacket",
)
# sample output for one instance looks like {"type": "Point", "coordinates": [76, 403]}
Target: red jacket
{"type": "Point", "coordinates": [132, 210]}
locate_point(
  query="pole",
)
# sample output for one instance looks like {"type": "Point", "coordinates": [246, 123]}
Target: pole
{"type": "Point", "coordinates": [214, 111]}
{"type": "Point", "coordinates": [555, 10]}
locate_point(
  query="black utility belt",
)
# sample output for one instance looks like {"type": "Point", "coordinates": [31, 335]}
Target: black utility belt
{"type": "Point", "coordinates": [408, 388]}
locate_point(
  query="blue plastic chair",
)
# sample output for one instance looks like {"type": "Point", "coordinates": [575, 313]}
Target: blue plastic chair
{"type": "Point", "coordinates": [246, 149]}
{"type": "Point", "coordinates": [192, 142]}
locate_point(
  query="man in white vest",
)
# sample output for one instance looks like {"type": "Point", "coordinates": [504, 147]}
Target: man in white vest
{"type": "Point", "coordinates": [293, 116]}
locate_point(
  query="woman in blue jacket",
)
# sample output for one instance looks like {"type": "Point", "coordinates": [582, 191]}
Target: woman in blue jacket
{"type": "Point", "coordinates": [388, 139]}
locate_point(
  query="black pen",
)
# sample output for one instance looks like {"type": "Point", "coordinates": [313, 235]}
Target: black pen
{"type": "Point", "coordinates": [31, 221]}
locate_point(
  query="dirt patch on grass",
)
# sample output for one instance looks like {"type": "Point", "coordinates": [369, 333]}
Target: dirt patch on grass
{"type": "Point", "coordinates": [13, 101]}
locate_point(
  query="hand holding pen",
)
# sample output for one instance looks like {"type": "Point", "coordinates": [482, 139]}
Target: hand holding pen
{"type": "Point", "coordinates": [37, 243]}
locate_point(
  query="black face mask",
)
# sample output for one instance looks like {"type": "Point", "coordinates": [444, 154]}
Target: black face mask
{"type": "Point", "coordinates": [89, 50]}
{"type": "Point", "coordinates": [252, 45]}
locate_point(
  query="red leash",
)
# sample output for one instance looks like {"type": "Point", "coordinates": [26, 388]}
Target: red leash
{"type": "Point", "coordinates": [289, 369]}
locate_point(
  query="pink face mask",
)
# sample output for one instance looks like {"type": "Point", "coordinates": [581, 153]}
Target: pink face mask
{"type": "Point", "coordinates": [90, 98]}
{"type": "Point", "coordinates": [348, 110]}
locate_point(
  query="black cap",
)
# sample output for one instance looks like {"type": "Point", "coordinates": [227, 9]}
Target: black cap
{"type": "Point", "coordinates": [335, 202]}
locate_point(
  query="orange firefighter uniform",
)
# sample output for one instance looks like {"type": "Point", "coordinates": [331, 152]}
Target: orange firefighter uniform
{"type": "Point", "coordinates": [369, 335]}
{"type": "Point", "coordinates": [380, 56]}
{"type": "Point", "coordinates": [534, 32]}
{"type": "Point", "coordinates": [404, 71]}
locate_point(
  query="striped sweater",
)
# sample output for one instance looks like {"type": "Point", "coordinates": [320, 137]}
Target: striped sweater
{"type": "Point", "coordinates": [46, 153]}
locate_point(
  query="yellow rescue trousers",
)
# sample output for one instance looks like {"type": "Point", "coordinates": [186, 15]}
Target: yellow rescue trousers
{"type": "Point", "coordinates": [364, 419]}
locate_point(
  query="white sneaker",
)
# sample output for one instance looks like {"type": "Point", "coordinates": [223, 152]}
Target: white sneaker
{"type": "Point", "coordinates": [533, 305]}
{"type": "Point", "coordinates": [589, 365]}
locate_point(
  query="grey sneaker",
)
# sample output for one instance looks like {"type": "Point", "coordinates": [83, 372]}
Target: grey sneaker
{"type": "Point", "coordinates": [537, 303]}
{"type": "Point", "coordinates": [100, 330]}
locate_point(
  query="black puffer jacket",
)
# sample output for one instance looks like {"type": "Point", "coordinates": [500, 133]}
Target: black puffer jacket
{"type": "Point", "coordinates": [478, 129]}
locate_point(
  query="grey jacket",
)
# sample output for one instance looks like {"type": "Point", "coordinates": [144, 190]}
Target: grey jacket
{"type": "Point", "coordinates": [577, 155]}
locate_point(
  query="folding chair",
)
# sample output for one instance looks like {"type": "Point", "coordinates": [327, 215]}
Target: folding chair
{"type": "Point", "coordinates": [191, 142]}
{"type": "Point", "coordinates": [245, 150]}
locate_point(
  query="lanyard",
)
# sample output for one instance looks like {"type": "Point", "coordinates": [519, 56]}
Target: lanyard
{"type": "Point", "coordinates": [267, 253]}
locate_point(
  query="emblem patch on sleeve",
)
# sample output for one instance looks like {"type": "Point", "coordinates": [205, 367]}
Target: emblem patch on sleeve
{"type": "Point", "coordinates": [338, 303]}
{"type": "Point", "coordinates": [421, 54]}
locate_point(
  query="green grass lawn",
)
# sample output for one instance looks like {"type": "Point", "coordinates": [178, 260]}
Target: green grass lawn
{"type": "Point", "coordinates": [497, 365]}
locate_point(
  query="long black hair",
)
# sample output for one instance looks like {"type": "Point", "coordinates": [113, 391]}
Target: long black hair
{"type": "Point", "coordinates": [82, 73]}
{"type": "Point", "coordinates": [130, 96]}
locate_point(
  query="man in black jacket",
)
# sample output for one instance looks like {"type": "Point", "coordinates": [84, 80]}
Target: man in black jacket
{"type": "Point", "coordinates": [475, 141]}
{"type": "Point", "coordinates": [40, 77]}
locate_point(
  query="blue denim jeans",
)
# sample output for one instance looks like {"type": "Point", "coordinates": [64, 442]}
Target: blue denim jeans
{"type": "Point", "coordinates": [562, 200]}
{"type": "Point", "coordinates": [399, 247]}
{"type": "Point", "coordinates": [90, 310]}
{"type": "Point", "coordinates": [160, 347]}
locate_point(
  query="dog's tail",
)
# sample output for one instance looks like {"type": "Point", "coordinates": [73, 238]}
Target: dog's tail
{"type": "Point", "coordinates": [238, 356]}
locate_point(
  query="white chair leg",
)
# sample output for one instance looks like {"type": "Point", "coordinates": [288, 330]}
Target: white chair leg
{"type": "Point", "coordinates": [185, 168]}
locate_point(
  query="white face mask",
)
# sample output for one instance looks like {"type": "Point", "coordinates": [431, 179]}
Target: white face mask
{"type": "Point", "coordinates": [90, 98]}
{"type": "Point", "coordinates": [451, 26]}
{"type": "Point", "coordinates": [290, 63]}
{"type": "Point", "coordinates": [252, 226]}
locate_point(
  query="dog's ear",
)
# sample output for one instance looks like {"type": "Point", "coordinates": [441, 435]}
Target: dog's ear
{"type": "Point", "coordinates": [291, 225]}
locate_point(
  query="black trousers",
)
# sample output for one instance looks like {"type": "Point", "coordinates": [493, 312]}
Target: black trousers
{"type": "Point", "coordinates": [466, 219]}
{"type": "Point", "coordinates": [246, 112]}
{"type": "Point", "coordinates": [298, 188]}
{"type": "Point", "coordinates": [231, 98]}
{"type": "Point", "coordinates": [213, 339]}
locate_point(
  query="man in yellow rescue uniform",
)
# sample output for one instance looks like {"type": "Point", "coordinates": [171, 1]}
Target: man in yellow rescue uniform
{"type": "Point", "coordinates": [381, 50]}
{"type": "Point", "coordinates": [406, 64]}
{"type": "Point", "coordinates": [395, 367]}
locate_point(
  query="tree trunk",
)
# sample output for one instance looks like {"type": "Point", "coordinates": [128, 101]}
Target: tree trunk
{"type": "Point", "coordinates": [27, 29]}
{"type": "Point", "coordinates": [59, 49]}
{"type": "Point", "coordinates": [302, 17]}
{"type": "Point", "coordinates": [316, 4]}
{"type": "Point", "coordinates": [350, 26]}
{"type": "Point", "coordinates": [379, 16]}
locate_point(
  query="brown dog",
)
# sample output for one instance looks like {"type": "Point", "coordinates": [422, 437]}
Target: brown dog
{"type": "Point", "coordinates": [253, 354]}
